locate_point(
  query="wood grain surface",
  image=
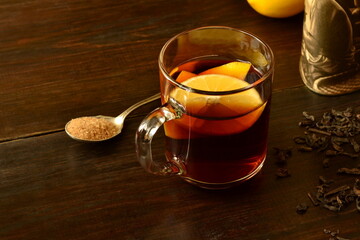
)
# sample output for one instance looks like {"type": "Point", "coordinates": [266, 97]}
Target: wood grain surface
{"type": "Point", "coordinates": [64, 59]}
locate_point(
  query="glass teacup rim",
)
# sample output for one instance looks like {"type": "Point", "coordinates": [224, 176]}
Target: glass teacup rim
{"type": "Point", "coordinates": [199, 91]}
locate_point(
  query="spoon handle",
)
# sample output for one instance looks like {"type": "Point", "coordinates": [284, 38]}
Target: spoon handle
{"type": "Point", "coordinates": [123, 115]}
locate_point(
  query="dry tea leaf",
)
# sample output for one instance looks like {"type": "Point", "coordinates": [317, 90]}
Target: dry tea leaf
{"type": "Point", "coordinates": [302, 208]}
{"type": "Point", "coordinates": [282, 154]}
{"type": "Point", "coordinates": [282, 173]}
{"type": "Point", "coordinates": [351, 171]}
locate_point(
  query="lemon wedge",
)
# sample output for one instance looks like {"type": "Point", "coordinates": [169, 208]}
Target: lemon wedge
{"type": "Point", "coordinates": [233, 69]}
{"type": "Point", "coordinates": [216, 114]}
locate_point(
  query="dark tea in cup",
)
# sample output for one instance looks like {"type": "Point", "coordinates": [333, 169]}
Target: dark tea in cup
{"type": "Point", "coordinates": [219, 139]}
{"type": "Point", "coordinates": [216, 85]}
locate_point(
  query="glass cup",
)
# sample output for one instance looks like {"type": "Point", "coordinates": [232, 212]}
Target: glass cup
{"type": "Point", "coordinates": [216, 85]}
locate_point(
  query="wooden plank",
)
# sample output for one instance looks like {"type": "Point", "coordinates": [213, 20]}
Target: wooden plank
{"type": "Point", "coordinates": [52, 187]}
{"type": "Point", "coordinates": [64, 59]}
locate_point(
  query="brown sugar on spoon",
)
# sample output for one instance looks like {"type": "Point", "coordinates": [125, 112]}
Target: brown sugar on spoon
{"type": "Point", "coordinates": [92, 128]}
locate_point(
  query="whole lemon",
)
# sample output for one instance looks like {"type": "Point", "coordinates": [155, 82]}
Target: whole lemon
{"type": "Point", "coordinates": [277, 8]}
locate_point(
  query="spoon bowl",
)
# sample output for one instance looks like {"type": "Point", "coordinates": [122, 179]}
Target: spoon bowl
{"type": "Point", "coordinates": [101, 128]}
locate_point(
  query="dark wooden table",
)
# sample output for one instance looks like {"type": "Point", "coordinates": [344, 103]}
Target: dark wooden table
{"type": "Point", "coordinates": [64, 59]}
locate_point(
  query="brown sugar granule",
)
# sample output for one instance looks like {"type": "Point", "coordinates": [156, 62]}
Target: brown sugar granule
{"type": "Point", "coordinates": [91, 128]}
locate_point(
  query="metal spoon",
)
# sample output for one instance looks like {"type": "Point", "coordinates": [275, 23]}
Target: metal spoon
{"type": "Point", "coordinates": [118, 121]}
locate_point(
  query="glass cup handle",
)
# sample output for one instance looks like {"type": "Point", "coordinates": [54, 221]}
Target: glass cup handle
{"type": "Point", "coordinates": [143, 139]}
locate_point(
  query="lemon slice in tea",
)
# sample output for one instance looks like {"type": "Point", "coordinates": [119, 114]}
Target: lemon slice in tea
{"type": "Point", "coordinates": [233, 69]}
{"type": "Point", "coordinates": [217, 114]}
